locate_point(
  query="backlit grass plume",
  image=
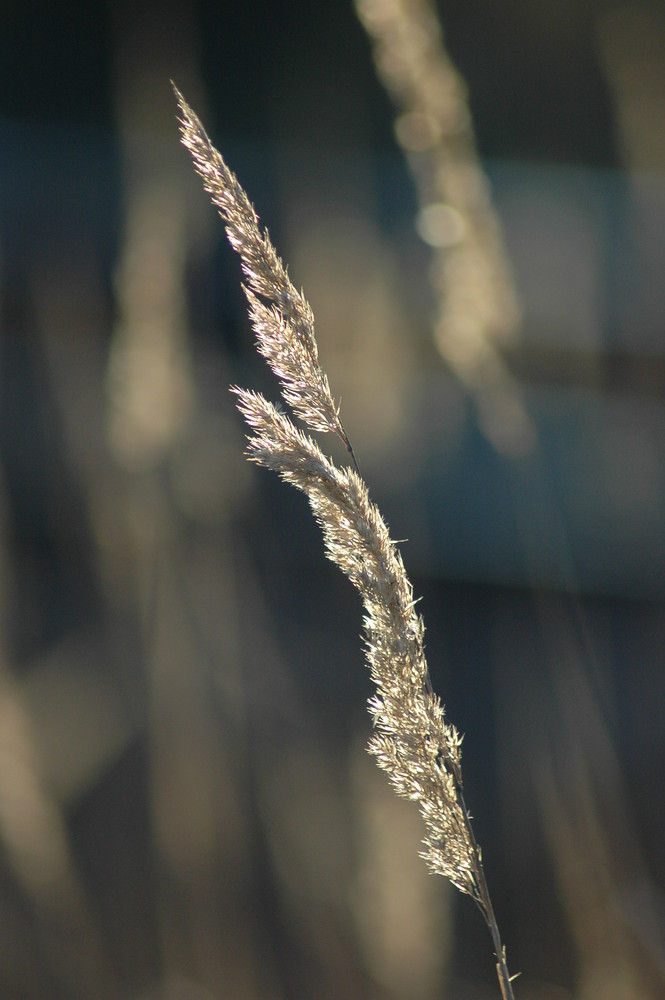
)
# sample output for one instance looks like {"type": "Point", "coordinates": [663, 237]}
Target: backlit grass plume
{"type": "Point", "coordinates": [412, 741]}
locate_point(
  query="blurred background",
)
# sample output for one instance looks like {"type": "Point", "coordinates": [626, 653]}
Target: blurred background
{"type": "Point", "coordinates": [187, 810]}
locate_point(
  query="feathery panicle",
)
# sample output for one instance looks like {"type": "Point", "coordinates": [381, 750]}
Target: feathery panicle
{"type": "Point", "coordinates": [412, 741]}
{"type": "Point", "coordinates": [285, 326]}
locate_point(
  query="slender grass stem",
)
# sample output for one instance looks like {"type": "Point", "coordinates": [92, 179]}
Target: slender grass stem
{"type": "Point", "coordinates": [484, 903]}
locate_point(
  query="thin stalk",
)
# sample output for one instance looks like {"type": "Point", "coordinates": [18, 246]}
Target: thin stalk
{"type": "Point", "coordinates": [484, 903]}
{"type": "Point", "coordinates": [349, 447]}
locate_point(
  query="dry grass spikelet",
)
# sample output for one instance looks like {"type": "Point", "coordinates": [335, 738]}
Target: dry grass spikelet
{"type": "Point", "coordinates": [412, 741]}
